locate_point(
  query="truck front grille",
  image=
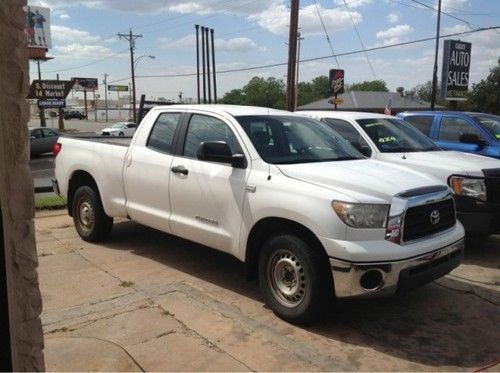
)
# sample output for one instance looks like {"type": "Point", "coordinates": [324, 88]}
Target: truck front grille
{"type": "Point", "coordinates": [492, 181]}
{"type": "Point", "coordinates": [424, 220]}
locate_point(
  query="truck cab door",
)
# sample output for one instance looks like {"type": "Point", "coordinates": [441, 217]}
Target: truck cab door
{"type": "Point", "coordinates": [207, 197]}
{"type": "Point", "coordinates": [147, 173]}
{"type": "Point", "coordinates": [450, 131]}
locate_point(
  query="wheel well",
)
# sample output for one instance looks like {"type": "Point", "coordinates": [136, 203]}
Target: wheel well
{"type": "Point", "coordinates": [263, 230]}
{"type": "Point", "coordinates": [78, 179]}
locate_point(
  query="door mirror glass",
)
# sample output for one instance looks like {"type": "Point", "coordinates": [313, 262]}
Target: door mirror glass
{"type": "Point", "coordinates": [472, 138]}
{"type": "Point", "coordinates": [219, 151]}
{"type": "Point", "coordinates": [363, 149]}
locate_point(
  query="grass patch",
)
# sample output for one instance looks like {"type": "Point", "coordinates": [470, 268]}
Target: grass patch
{"type": "Point", "coordinates": [50, 203]}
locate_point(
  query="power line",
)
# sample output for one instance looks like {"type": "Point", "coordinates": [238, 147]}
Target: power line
{"type": "Point", "coordinates": [445, 13]}
{"type": "Point", "coordinates": [326, 33]}
{"type": "Point", "coordinates": [87, 64]}
{"type": "Point", "coordinates": [313, 59]}
{"type": "Point", "coordinates": [360, 40]}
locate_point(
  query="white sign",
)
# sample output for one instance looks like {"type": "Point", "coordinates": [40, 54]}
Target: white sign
{"type": "Point", "coordinates": [37, 27]}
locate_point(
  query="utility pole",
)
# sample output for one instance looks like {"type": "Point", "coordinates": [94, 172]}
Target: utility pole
{"type": "Point", "coordinates": [198, 61]}
{"type": "Point", "coordinates": [213, 65]}
{"type": "Point", "coordinates": [131, 38]}
{"type": "Point", "coordinates": [435, 73]}
{"type": "Point", "coordinates": [299, 38]}
{"type": "Point", "coordinates": [106, 95]}
{"type": "Point", "coordinates": [292, 55]}
{"type": "Point", "coordinates": [43, 123]}
{"type": "Point", "coordinates": [203, 63]}
{"type": "Point", "coordinates": [208, 66]}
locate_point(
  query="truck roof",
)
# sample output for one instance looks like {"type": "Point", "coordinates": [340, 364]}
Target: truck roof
{"type": "Point", "coordinates": [343, 114]}
{"type": "Point", "coordinates": [234, 110]}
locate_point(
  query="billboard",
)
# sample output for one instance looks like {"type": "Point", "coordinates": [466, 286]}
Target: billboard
{"type": "Point", "coordinates": [455, 70]}
{"type": "Point", "coordinates": [118, 88]}
{"type": "Point", "coordinates": [37, 27]}
{"type": "Point", "coordinates": [336, 81]}
{"type": "Point", "coordinates": [85, 84]}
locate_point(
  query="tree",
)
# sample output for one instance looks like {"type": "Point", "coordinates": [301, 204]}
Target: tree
{"type": "Point", "coordinates": [373, 85]}
{"type": "Point", "coordinates": [485, 95]}
{"type": "Point", "coordinates": [258, 91]}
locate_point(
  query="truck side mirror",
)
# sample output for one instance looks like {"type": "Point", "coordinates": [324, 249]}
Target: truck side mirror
{"type": "Point", "coordinates": [472, 138]}
{"type": "Point", "coordinates": [219, 151]}
{"type": "Point", "coordinates": [363, 149]}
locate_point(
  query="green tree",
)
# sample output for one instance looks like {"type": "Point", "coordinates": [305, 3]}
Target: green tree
{"type": "Point", "coordinates": [485, 95]}
{"type": "Point", "coordinates": [315, 90]}
{"type": "Point", "coordinates": [233, 97]}
{"type": "Point", "coordinates": [258, 91]}
{"type": "Point", "coordinates": [373, 85]}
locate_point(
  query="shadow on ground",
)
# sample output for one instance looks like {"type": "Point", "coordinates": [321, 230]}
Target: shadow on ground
{"type": "Point", "coordinates": [437, 325]}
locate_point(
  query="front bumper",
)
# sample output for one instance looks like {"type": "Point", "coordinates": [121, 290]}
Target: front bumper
{"type": "Point", "coordinates": [376, 279]}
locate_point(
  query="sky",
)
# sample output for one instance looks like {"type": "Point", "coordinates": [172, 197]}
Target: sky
{"type": "Point", "coordinates": [250, 33]}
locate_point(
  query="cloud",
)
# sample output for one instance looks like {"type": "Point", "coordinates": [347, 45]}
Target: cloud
{"type": "Point", "coordinates": [353, 3]}
{"type": "Point", "coordinates": [277, 18]}
{"type": "Point", "coordinates": [65, 35]}
{"type": "Point", "coordinates": [393, 17]}
{"type": "Point", "coordinates": [64, 16]}
{"type": "Point", "coordinates": [449, 5]}
{"type": "Point", "coordinates": [77, 50]}
{"type": "Point", "coordinates": [394, 34]}
{"type": "Point", "coordinates": [237, 45]}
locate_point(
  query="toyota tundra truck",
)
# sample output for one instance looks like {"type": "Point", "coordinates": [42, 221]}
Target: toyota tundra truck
{"type": "Point", "coordinates": [306, 212]}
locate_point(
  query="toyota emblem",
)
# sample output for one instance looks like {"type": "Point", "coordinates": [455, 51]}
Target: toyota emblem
{"type": "Point", "coordinates": [435, 217]}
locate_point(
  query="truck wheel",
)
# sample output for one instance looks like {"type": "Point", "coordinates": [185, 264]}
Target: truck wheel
{"type": "Point", "coordinates": [91, 222]}
{"type": "Point", "coordinates": [121, 134]}
{"type": "Point", "coordinates": [295, 279]}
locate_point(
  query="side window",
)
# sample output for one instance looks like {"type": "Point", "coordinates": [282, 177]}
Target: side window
{"type": "Point", "coordinates": [348, 132]}
{"type": "Point", "coordinates": [37, 134]}
{"type": "Point", "coordinates": [162, 134]}
{"type": "Point", "coordinates": [452, 128]}
{"type": "Point", "coordinates": [203, 128]}
{"type": "Point", "coordinates": [421, 122]}
{"type": "Point", "coordinates": [48, 133]}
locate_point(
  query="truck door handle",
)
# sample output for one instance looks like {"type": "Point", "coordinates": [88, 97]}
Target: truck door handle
{"type": "Point", "coordinates": [179, 170]}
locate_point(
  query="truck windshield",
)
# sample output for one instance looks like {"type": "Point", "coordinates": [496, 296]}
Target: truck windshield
{"type": "Point", "coordinates": [490, 123]}
{"type": "Point", "coordinates": [395, 136]}
{"type": "Point", "coordinates": [289, 139]}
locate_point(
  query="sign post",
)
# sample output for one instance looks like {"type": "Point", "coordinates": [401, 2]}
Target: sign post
{"type": "Point", "coordinates": [455, 70]}
{"type": "Point", "coordinates": [336, 86]}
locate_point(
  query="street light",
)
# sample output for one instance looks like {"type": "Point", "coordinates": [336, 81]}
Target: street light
{"type": "Point", "coordinates": [136, 61]}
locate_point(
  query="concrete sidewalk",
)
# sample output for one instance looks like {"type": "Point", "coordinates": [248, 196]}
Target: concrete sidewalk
{"type": "Point", "coordinates": [147, 301]}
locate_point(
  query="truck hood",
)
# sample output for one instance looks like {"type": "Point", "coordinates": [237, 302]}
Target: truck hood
{"type": "Point", "coordinates": [442, 164]}
{"type": "Point", "coordinates": [365, 180]}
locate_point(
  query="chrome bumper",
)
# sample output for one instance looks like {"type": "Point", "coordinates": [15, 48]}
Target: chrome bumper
{"type": "Point", "coordinates": [377, 279]}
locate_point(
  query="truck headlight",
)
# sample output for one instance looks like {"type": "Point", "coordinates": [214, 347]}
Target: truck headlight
{"type": "Point", "coordinates": [362, 215]}
{"type": "Point", "coordinates": [468, 187]}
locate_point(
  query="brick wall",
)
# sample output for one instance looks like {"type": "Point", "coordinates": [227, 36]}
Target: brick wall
{"type": "Point", "coordinates": [16, 193]}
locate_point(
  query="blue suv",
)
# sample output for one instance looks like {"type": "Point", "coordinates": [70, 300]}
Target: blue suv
{"type": "Point", "coordinates": [476, 133]}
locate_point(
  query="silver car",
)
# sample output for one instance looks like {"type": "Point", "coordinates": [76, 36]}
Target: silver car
{"type": "Point", "coordinates": [42, 140]}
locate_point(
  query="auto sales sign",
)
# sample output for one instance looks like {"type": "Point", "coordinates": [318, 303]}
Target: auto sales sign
{"type": "Point", "coordinates": [455, 70]}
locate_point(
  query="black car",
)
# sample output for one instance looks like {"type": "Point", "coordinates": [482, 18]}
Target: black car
{"type": "Point", "coordinates": [74, 114]}
{"type": "Point", "coordinates": [42, 140]}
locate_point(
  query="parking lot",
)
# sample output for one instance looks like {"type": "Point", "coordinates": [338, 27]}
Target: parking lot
{"type": "Point", "coordinates": [145, 300]}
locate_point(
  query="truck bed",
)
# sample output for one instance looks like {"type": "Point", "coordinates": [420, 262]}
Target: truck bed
{"type": "Point", "coordinates": [111, 140]}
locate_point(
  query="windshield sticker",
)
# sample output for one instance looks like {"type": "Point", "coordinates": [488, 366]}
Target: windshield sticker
{"type": "Point", "coordinates": [373, 125]}
{"type": "Point", "coordinates": [497, 136]}
{"type": "Point", "coordinates": [385, 140]}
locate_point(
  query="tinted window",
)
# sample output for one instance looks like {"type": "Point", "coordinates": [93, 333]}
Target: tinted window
{"type": "Point", "coordinates": [489, 122]}
{"type": "Point", "coordinates": [452, 128]}
{"type": "Point", "coordinates": [421, 122]}
{"type": "Point", "coordinates": [289, 139]}
{"type": "Point", "coordinates": [203, 128]}
{"type": "Point", "coordinates": [396, 136]}
{"type": "Point", "coordinates": [49, 133]}
{"type": "Point", "coordinates": [348, 132]}
{"type": "Point", "coordinates": [162, 134]}
{"type": "Point", "coordinates": [37, 133]}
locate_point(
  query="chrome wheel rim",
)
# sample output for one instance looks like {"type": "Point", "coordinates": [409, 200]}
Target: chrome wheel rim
{"type": "Point", "coordinates": [86, 216]}
{"type": "Point", "coordinates": [286, 278]}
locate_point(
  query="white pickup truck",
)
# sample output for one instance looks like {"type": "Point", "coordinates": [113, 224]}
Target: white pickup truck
{"type": "Point", "coordinates": [283, 193]}
{"type": "Point", "coordinates": [475, 179]}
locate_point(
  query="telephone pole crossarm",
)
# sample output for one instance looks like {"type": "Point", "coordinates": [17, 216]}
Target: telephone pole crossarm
{"type": "Point", "coordinates": [131, 38]}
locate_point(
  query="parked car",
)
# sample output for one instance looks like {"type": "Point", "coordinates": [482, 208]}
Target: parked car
{"type": "Point", "coordinates": [120, 129]}
{"type": "Point", "coordinates": [76, 114]}
{"type": "Point", "coordinates": [476, 133]}
{"type": "Point", "coordinates": [305, 212]}
{"type": "Point", "coordinates": [474, 179]}
{"type": "Point", "coordinates": [42, 140]}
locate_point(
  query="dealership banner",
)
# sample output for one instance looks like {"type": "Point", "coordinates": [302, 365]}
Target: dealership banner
{"type": "Point", "coordinates": [336, 81]}
{"type": "Point", "coordinates": [455, 70]}
{"type": "Point", "coordinates": [37, 27]}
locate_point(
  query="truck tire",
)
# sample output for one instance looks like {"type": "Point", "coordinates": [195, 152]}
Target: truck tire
{"type": "Point", "coordinates": [121, 134]}
{"type": "Point", "coordinates": [294, 278]}
{"type": "Point", "coordinates": [91, 222]}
